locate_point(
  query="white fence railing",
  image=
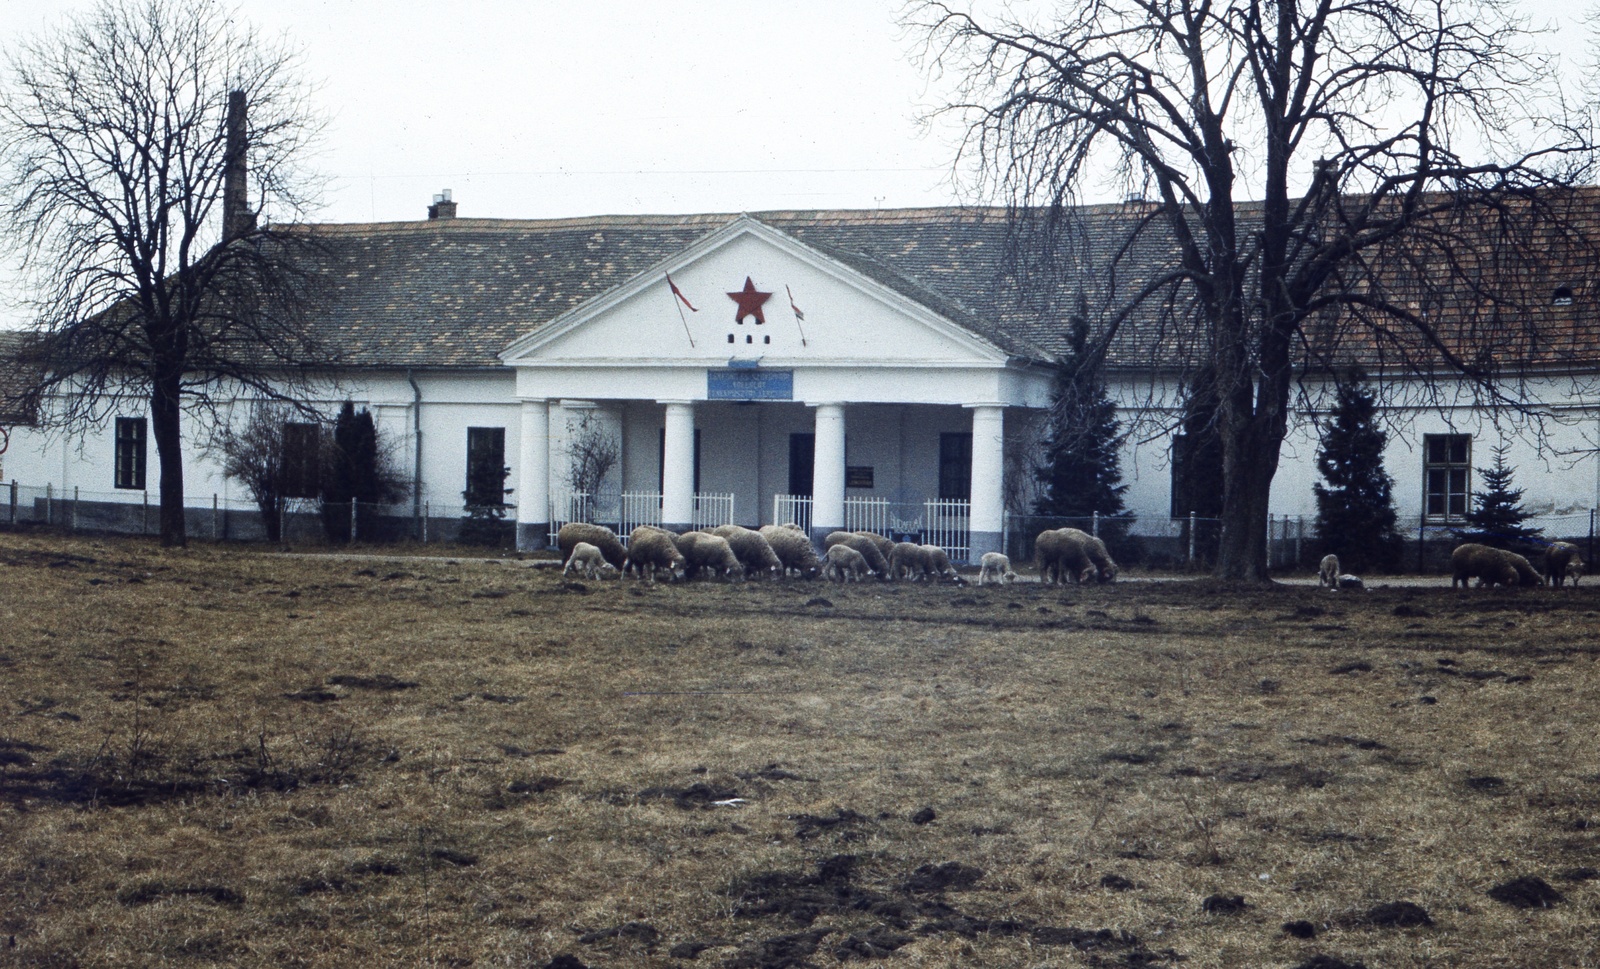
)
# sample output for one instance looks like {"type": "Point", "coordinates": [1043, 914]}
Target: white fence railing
{"type": "Point", "coordinates": [948, 524]}
{"type": "Point", "coordinates": [942, 523]}
{"type": "Point", "coordinates": [630, 509]}
{"type": "Point", "coordinates": [792, 508]}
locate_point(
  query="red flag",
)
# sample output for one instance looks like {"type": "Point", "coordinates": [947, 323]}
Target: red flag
{"type": "Point", "coordinates": [679, 293]}
{"type": "Point", "coordinates": [797, 314]}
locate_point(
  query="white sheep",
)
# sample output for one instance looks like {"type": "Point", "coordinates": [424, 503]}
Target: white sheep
{"type": "Point", "coordinates": [1348, 581]}
{"type": "Point", "coordinates": [844, 564]}
{"type": "Point", "coordinates": [651, 549]}
{"type": "Point", "coordinates": [995, 567]}
{"type": "Point", "coordinates": [938, 563]}
{"type": "Point", "coordinates": [1328, 572]}
{"type": "Point", "coordinates": [588, 560]}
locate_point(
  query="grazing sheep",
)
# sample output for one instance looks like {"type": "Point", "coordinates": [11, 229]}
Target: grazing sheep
{"type": "Point", "coordinates": [1071, 552]}
{"type": "Point", "coordinates": [793, 526]}
{"type": "Point", "coordinates": [599, 536]}
{"type": "Point", "coordinates": [908, 561]}
{"type": "Point", "coordinates": [588, 560]}
{"type": "Point", "coordinates": [1347, 581]}
{"type": "Point", "coordinates": [1490, 566]}
{"type": "Point", "coordinates": [711, 552]}
{"type": "Point", "coordinates": [885, 545]}
{"type": "Point", "coordinates": [867, 547]}
{"type": "Point", "coordinates": [752, 549]}
{"type": "Point", "coordinates": [939, 563]}
{"type": "Point", "coordinates": [995, 567]}
{"type": "Point", "coordinates": [844, 564]}
{"type": "Point", "coordinates": [793, 549]}
{"type": "Point", "coordinates": [1562, 559]}
{"type": "Point", "coordinates": [1328, 572]}
{"type": "Point", "coordinates": [651, 549]}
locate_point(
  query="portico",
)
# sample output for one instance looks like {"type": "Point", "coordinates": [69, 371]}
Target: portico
{"type": "Point", "coordinates": [866, 397]}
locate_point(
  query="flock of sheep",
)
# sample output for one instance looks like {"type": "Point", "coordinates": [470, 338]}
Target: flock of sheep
{"type": "Point", "coordinates": [736, 553]}
{"type": "Point", "coordinates": [733, 552]}
{"type": "Point", "coordinates": [1490, 566]}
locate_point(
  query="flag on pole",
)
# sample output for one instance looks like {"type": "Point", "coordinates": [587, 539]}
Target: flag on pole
{"type": "Point", "coordinates": [799, 317]}
{"type": "Point", "coordinates": [679, 293]}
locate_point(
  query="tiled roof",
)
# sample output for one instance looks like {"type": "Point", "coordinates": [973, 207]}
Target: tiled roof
{"type": "Point", "coordinates": [455, 292]}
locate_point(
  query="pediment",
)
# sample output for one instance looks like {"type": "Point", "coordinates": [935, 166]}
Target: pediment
{"type": "Point", "coordinates": [752, 295]}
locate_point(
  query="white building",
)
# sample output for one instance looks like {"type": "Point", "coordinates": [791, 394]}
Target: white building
{"type": "Point", "coordinates": [851, 369]}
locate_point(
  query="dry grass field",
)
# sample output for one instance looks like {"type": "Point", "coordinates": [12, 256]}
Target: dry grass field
{"type": "Point", "coordinates": [226, 756]}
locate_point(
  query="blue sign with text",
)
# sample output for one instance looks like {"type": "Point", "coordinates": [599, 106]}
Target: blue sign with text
{"type": "Point", "coordinates": [750, 384]}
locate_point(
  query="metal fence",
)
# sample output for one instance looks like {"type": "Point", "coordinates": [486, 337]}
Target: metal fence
{"type": "Point", "coordinates": [946, 524]}
{"type": "Point", "coordinates": [625, 511]}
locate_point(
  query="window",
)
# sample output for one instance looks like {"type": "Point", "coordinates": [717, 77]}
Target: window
{"type": "Point", "coordinates": [486, 466]}
{"type": "Point", "coordinates": [1446, 475]}
{"type": "Point", "coordinates": [955, 467]}
{"type": "Point", "coordinates": [302, 471]}
{"type": "Point", "coordinates": [130, 458]}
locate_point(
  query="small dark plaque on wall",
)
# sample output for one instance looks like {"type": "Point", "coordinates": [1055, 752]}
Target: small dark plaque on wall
{"type": "Point", "coordinates": [858, 477]}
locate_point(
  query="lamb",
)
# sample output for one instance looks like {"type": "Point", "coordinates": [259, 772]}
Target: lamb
{"type": "Point", "coordinates": [793, 549]}
{"type": "Point", "coordinates": [996, 567]}
{"type": "Point", "coordinates": [938, 563]}
{"type": "Point", "coordinates": [1072, 552]}
{"type": "Point", "coordinates": [908, 561]}
{"type": "Point", "coordinates": [651, 549]}
{"type": "Point", "coordinates": [753, 550]}
{"type": "Point", "coordinates": [712, 552]}
{"type": "Point", "coordinates": [599, 536]}
{"type": "Point", "coordinates": [1328, 572]}
{"type": "Point", "coordinates": [844, 564]}
{"type": "Point", "coordinates": [867, 547]}
{"type": "Point", "coordinates": [588, 560]}
{"type": "Point", "coordinates": [1490, 566]}
{"type": "Point", "coordinates": [1562, 559]}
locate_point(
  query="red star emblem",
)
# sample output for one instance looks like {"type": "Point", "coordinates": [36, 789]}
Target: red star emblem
{"type": "Point", "coordinates": [749, 301]}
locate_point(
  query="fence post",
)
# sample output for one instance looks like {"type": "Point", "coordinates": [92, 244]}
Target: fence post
{"type": "Point", "coordinates": [1590, 558]}
{"type": "Point", "coordinates": [1422, 540]}
{"type": "Point", "coordinates": [1191, 539]}
{"type": "Point", "coordinates": [144, 513]}
{"type": "Point", "coordinates": [216, 518]}
{"type": "Point", "coordinates": [1094, 524]}
{"type": "Point", "coordinates": [426, 513]}
{"type": "Point", "coordinates": [14, 507]}
{"type": "Point", "coordinates": [1299, 537]}
{"type": "Point", "coordinates": [352, 521]}
{"type": "Point", "coordinates": [283, 522]}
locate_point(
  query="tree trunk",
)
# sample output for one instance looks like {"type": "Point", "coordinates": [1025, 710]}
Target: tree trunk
{"type": "Point", "coordinates": [1242, 555]}
{"type": "Point", "coordinates": [164, 421]}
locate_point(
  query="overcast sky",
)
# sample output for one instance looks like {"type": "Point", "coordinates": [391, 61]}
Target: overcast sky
{"type": "Point", "coordinates": [540, 108]}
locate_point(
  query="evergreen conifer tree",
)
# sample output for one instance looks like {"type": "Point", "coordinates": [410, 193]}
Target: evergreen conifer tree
{"type": "Point", "coordinates": [1497, 517]}
{"type": "Point", "coordinates": [1082, 469]}
{"type": "Point", "coordinates": [354, 471]}
{"type": "Point", "coordinates": [1355, 511]}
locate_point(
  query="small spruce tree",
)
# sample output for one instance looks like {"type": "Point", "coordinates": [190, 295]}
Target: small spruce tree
{"type": "Point", "coordinates": [1497, 517]}
{"type": "Point", "coordinates": [1081, 473]}
{"type": "Point", "coordinates": [1356, 517]}
{"type": "Point", "coordinates": [357, 469]}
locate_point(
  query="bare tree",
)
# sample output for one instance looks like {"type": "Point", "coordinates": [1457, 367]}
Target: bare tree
{"type": "Point", "coordinates": [592, 451]}
{"type": "Point", "coordinates": [125, 143]}
{"type": "Point", "coordinates": [1406, 161]}
{"type": "Point", "coordinates": [277, 455]}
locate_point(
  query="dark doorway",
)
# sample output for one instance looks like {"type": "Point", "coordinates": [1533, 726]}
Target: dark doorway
{"type": "Point", "coordinates": [802, 462]}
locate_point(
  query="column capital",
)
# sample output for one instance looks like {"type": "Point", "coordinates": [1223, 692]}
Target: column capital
{"type": "Point", "coordinates": [677, 403]}
{"type": "Point", "coordinates": [985, 403]}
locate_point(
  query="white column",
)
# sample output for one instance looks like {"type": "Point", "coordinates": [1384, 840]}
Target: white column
{"type": "Point", "coordinates": [677, 467]}
{"type": "Point", "coordinates": [533, 477]}
{"type": "Point", "coordinates": [827, 472]}
{"type": "Point", "coordinates": [988, 478]}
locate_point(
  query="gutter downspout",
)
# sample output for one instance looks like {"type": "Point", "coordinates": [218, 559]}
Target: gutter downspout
{"type": "Point", "coordinates": [416, 473]}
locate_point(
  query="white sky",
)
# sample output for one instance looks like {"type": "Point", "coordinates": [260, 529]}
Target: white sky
{"type": "Point", "coordinates": [542, 108]}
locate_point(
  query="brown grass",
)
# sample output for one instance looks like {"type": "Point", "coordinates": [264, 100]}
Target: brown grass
{"type": "Point", "coordinates": [229, 756]}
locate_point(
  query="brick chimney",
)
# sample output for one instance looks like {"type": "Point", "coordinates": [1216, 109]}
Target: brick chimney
{"type": "Point", "coordinates": [443, 207]}
{"type": "Point", "coordinates": [237, 219]}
